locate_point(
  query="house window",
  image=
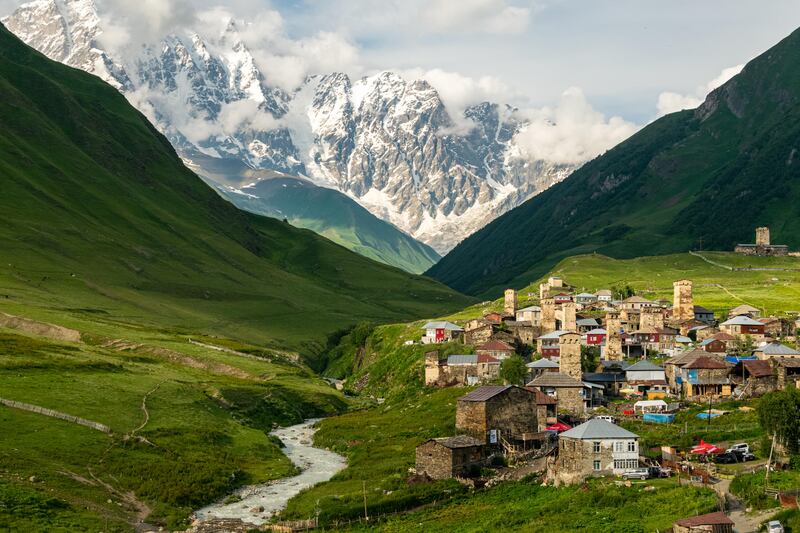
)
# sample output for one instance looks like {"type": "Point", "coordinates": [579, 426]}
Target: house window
{"type": "Point", "coordinates": [596, 465]}
{"type": "Point", "coordinates": [596, 447]}
{"type": "Point", "coordinates": [619, 446]}
{"type": "Point", "coordinates": [619, 464]}
{"type": "Point", "coordinates": [632, 446]}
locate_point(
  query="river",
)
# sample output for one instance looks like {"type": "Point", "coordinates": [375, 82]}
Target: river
{"type": "Point", "coordinates": [316, 465]}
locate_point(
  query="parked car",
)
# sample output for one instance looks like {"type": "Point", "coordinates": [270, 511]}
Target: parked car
{"type": "Point", "coordinates": [607, 418]}
{"type": "Point", "coordinates": [636, 473]}
{"type": "Point", "coordinates": [741, 447]}
{"type": "Point", "coordinates": [727, 458]}
{"type": "Point", "coordinates": [774, 526]}
{"type": "Point", "coordinates": [748, 457]}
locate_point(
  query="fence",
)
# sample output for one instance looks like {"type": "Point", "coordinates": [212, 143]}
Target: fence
{"type": "Point", "coordinates": [55, 414]}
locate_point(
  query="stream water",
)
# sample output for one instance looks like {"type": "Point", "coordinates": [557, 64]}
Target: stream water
{"type": "Point", "coordinates": [316, 465]}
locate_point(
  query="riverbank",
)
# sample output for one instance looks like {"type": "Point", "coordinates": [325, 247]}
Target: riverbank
{"type": "Point", "coordinates": [257, 504]}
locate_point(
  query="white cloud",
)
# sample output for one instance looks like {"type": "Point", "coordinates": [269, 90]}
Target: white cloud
{"type": "Point", "coordinates": [670, 102]}
{"type": "Point", "coordinates": [458, 92]}
{"type": "Point", "coordinates": [130, 24]}
{"type": "Point", "coordinates": [484, 16]}
{"type": "Point", "coordinates": [571, 133]}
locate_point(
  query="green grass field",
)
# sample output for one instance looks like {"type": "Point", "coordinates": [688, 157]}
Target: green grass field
{"type": "Point", "coordinates": [206, 431]}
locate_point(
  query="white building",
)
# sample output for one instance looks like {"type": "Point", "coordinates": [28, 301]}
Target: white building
{"type": "Point", "coordinates": [595, 448]}
{"type": "Point", "coordinates": [440, 331]}
{"type": "Point", "coordinates": [532, 314]}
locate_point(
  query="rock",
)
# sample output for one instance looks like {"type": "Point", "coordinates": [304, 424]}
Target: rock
{"type": "Point", "coordinates": [33, 479]}
{"type": "Point", "coordinates": [256, 510]}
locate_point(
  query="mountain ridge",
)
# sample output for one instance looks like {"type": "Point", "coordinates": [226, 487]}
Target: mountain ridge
{"type": "Point", "coordinates": [701, 178]}
{"type": "Point", "coordinates": [388, 143]}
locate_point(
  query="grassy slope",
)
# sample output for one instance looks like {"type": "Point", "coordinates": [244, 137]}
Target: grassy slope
{"type": "Point", "coordinates": [99, 214]}
{"type": "Point", "coordinates": [689, 179]}
{"type": "Point", "coordinates": [337, 217]}
{"type": "Point", "coordinates": [207, 429]}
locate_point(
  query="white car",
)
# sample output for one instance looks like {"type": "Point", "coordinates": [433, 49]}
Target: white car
{"type": "Point", "coordinates": [741, 448]}
{"type": "Point", "coordinates": [607, 418]}
{"type": "Point", "coordinates": [774, 526]}
{"type": "Point", "coordinates": [636, 473]}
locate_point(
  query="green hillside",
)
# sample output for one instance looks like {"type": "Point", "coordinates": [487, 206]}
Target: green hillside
{"type": "Point", "coordinates": [98, 216]}
{"type": "Point", "coordinates": [335, 216]}
{"type": "Point", "coordinates": [694, 179]}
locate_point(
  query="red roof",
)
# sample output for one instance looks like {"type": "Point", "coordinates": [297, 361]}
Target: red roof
{"type": "Point", "coordinates": [758, 368]}
{"type": "Point", "coordinates": [722, 336]}
{"type": "Point", "coordinates": [712, 519]}
{"type": "Point", "coordinates": [495, 346]}
{"type": "Point", "coordinates": [484, 358]}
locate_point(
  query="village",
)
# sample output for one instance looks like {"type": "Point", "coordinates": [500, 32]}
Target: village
{"type": "Point", "coordinates": [594, 361]}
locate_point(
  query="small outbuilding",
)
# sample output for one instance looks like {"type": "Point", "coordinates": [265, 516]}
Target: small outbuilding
{"type": "Point", "coordinates": [708, 523]}
{"type": "Point", "coordinates": [444, 458]}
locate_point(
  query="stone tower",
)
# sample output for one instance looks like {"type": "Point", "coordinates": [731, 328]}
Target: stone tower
{"type": "Point", "coordinates": [652, 318]}
{"type": "Point", "coordinates": [762, 236]}
{"type": "Point", "coordinates": [569, 321]}
{"type": "Point", "coordinates": [569, 345]}
{"type": "Point", "coordinates": [432, 369]}
{"type": "Point", "coordinates": [682, 302]}
{"type": "Point", "coordinates": [510, 308]}
{"type": "Point", "coordinates": [613, 338]}
{"type": "Point", "coordinates": [548, 306]}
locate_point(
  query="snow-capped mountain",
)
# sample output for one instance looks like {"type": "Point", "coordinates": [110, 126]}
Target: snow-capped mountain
{"type": "Point", "coordinates": [387, 142]}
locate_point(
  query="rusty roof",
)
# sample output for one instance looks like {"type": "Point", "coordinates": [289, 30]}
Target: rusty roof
{"type": "Point", "coordinates": [484, 393]}
{"type": "Point", "coordinates": [711, 519]}
{"type": "Point", "coordinates": [495, 346]}
{"type": "Point", "coordinates": [758, 368]}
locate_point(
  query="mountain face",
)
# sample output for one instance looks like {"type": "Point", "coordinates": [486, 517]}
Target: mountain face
{"type": "Point", "coordinates": [98, 214]}
{"type": "Point", "coordinates": [702, 179]}
{"type": "Point", "coordinates": [386, 142]}
{"type": "Point", "coordinates": [335, 216]}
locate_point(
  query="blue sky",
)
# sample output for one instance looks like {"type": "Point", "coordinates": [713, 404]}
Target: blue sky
{"type": "Point", "coordinates": [622, 53]}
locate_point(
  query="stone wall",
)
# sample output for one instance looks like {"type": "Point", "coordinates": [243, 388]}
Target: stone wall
{"type": "Point", "coordinates": [570, 400]}
{"type": "Point", "coordinates": [652, 318]}
{"type": "Point", "coordinates": [548, 306]}
{"type": "Point", "coordinates": [471, 419]}
{"type": "Point", "coordinates": [510, 307]}
{"type": "Point", "coordinates": [613, 339]}
{"type": "Point", "coordinates": [513, 412]}
{"type": "Point", "coordinates": [576, 459]}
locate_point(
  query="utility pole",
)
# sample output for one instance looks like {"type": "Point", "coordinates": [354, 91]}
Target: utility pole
{"type": "Point", "coordinates": [366, 516]}
{"type": "Point", "coordinates": [769, 462]}
{"type": "Point", "coordinates": [708, 421]}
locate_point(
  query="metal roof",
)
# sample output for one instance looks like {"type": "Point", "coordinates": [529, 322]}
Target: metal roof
{"type": "Point", "coordinates": [555, 334]}
{"type": "Point", "coordinates": [683, 340]}
{"type": "Point", "coordinates": [777, 349]}
{"type": "Point", "coordinates": [543, 363]}
{"type": "Point", "coordinates": [643, 366]}
{"type": "Point", "coordinates": [484, 393]}
{"type": "Point", "coordinates": [741, 320]}
{"type": "Point", "coordinates": [597, 331]}
{"type": "Point", "coordinates": [598, 429]}
{"type": "Point", "coordinates": [587, 322]}
{"type": "Point", "coordinates": [442, 324]}
{"type": "Point", "coordinates": [462, 360]}
{"type": "Point", "coordinates": [530, 308]}
{"type": "Point", "coordinates": [712, 519]}
{"type": "Point", "coordinates": [604, 377]}
{"type": "Point", "coordinates": [555, 380]}
{"type": "Point", "coordinates": [495, 346]}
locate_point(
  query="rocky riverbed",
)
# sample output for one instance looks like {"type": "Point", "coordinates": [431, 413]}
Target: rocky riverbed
{"type": "Point", "coordinates": [256, 504]}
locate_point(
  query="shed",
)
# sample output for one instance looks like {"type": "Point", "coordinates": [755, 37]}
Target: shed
{"type": "Point", "coordinates": [708, 523]}
{"type": "Point", "coordinates": [450, 457]}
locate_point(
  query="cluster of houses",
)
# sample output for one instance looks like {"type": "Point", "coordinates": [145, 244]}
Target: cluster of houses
{"type": "Point", "coordinates": [697, 355]}
{"type": "Point", "coordinates": [648, 350]}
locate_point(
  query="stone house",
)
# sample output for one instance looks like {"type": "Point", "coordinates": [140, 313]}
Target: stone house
{"type": "Point", "coordinates": [586, 324]}
{"type": "Point", "coordinates": [460, 370]}
{"type": "Point", "coordinates": [497, 349]}
{"type": "Point", "coordinates": [531, 314]}
{"type": "Point", "coordinates": [494, 317]}
{"type": "Point", "coordinates": [505, 411]}
{"type": "Point", "coordinates": [478, 331]}
{"type": "Point", "coordinates": [774, 327]}
{"type": "Point", "coordinates": [787, 371]}
{"type": "Point", "coordinates": [568, 391]}
{"type": "Point", "coordinates": [719, 342]}
{"type": "Point", "coordinates": [585, 298]}
{"type": "Point", "coordinates": [595, 448]}
{"type": "Point", "coordinates": [441, 331]}
{"type": "Point", "coordinates": [450, 457]}
{"type": "Point", "coordinates": [673, 368]}
{"type": "Point", "coordinates": [753, 378]}
{"type": "Point", "coordinates": [762, 246]}
{"type": "Point", "coordinates": [706, 376]}
{"type": "Point", "coordinates": [635, 303]}
{"type": "Point", "coordinates": [540, 366]}
{"type": "Point", "coordinates": [745, 310]}
{"type": "Point", "coordinates": [523, 331]}
{"type": "Point", "coordinates": [775, 349]}
{"type": "Point", "coordinates": [708, 523]}
{"type": "Point", "coordinates": [740, 326]}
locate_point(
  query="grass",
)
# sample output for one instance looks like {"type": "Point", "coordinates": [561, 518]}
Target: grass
{"type": "Point", "coordinates": [600, 506]}
{"type": "Point", "coordinates": [750, 487]}
{"type": "Point", "coordinates": [206, 433]}
{"type": "Point", "coordinates": [379, 444]}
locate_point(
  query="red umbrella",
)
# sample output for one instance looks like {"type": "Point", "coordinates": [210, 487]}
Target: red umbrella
{"type": "Point", "coordinates": [558, 427]}
{"type": "Point", "coordinates": [705, 448]}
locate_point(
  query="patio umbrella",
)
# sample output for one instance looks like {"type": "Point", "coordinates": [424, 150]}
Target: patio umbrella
{"type": "Point", "coordinates": [558, 427]}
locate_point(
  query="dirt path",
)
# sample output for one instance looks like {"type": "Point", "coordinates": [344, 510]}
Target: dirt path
{"type": "Point", "coordinates": [145, 411]}
{"type": "Point", "coordinates": [742, 521]}
{"type": "Point", "coordinates": [710, 262]}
